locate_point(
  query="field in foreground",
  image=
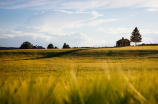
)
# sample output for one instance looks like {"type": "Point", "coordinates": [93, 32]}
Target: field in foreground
{"type": "Point", "coordinates": [126, 75]}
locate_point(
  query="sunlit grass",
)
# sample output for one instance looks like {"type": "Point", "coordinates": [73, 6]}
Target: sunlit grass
{"type": "Point", "coordinates": [126, 75]}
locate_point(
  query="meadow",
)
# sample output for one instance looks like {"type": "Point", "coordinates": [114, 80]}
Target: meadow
{"type": "Point", "coordinates": [124, 75]}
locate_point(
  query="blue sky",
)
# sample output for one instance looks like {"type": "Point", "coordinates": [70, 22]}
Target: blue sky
{"type": "Point", "coordinates": [76, 22]}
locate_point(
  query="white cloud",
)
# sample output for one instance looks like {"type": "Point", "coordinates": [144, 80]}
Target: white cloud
{"type": "Point", "coordinates": [15, 4]}
{"type": "Point", "coordinates": [13, 33]}
{"type": "Point", "coordinates": [75, 39]}
{"type": "Point", "coordinates": [52, 22]}
{"type": "Point", "coordinates": [152, 9]}
{"type": "Point", "coordinates": [118, 30]}
{"type": "Point", "coordinates": [147, 40]}
{"type": "Point", "coordinates": [96, 14]}
{"type": "Point", "coordinates": [147, 34]}
{"type": "Point", "coordinates": [36, 14]}
{"type": "Point", "coordinates": [86, 4]}
{"type": "Point", "coordinates": [64, 11]}
{"type": "Point", "coordinates": [122, 30]}
{"type": "Point", "coordinates": [145, 31]}
{"type": "Point", "coordinates": [6, 36]}
{"type": "Point", "coordinates": [91, 23]}
{"type": "Point", "coordinates": [100, 21]}
{"type": "Point", "coordinates": [54, 32]}
{"type": "Point", "coordinates": [79, 4]}
{"type": "Point", "coordinates": [91, 42]}
{"type": "Point", "coordinates": [51, 25]}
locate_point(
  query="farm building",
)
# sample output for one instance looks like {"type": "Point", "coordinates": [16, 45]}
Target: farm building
{"type": "Point", "coordinates": [123, 42]}
{"type": "Point", "coordinates": [38, 47]}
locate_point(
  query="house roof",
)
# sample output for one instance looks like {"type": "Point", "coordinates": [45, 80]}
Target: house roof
{"type": "Point", "coordinates": [123, 40]}
{"type": "Point", "coordinates": [39, 46]}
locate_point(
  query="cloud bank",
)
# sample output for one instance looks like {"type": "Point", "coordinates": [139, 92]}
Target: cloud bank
{"type": "Point", "coordinates": [50, 26]}
{"type": "Point", "coordinates": [77, 4]}
{"type": "Point", "coordinates": [80, 26]}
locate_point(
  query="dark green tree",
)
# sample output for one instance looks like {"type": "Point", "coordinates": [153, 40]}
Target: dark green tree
{"type": "Point", "coordinates": [50, 46]}
{"type": "Point", "coordinates": [26, 45]}
{"type": "Point", "coordinates": [66, 45]}
{"type": "Point", "coordinates": [136, 36]}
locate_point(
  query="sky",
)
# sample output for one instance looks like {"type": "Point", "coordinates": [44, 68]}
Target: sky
{"type": "Point", "coordinates": [79, 23]}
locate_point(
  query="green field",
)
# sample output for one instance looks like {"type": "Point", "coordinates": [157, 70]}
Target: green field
{"type": "Point", "coordinates": [126, 75]}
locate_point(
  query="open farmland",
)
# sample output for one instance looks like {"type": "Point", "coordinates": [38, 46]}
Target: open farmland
{"type": "Point", "coordinates": [126, 75]}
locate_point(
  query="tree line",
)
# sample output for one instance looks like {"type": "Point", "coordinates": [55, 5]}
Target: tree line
{"type": "Point", "coordinates": [135, 37]}
{"type": "Point", "coordinates": [28, 45]}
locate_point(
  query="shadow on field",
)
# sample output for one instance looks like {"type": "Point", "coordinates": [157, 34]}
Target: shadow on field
{"type": "Point", "coordinates": [59, 54]}
{"type": "Point", "coordinates": [41, 55]}
{"type": "Point", "coordinates": [101, 54]}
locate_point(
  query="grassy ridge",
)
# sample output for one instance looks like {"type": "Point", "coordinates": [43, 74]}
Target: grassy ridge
{"type": "Point", "coordinates": [79, 76]}
{"type": "Point", "coordinates": [124, 52]}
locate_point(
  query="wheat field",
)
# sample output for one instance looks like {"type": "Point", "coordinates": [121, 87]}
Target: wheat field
{"type": "Point", "coordinates": [125, 75]}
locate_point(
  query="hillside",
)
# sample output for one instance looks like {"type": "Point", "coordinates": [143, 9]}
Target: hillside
{"type": "Point", "coordinates": [126, 52]}
{"type": "Point", "coordinates": [124, 75]}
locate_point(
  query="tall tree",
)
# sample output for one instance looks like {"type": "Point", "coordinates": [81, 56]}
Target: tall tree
{"type": "Point", "coordinates": [66, 45]}
{"type": "Point", "coordinates": [136, 36]}
{"type": "Point", "coordinates": [50, 46]}
{"type": "Point", "coordinates": [26, 45]}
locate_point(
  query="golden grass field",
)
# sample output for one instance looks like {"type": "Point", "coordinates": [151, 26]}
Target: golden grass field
{"type": "Point", "coordinates": [126, 75]}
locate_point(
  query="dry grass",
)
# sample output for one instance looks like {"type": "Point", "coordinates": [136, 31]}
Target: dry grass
{"type": "Point", "coordinates": [125, 75]}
